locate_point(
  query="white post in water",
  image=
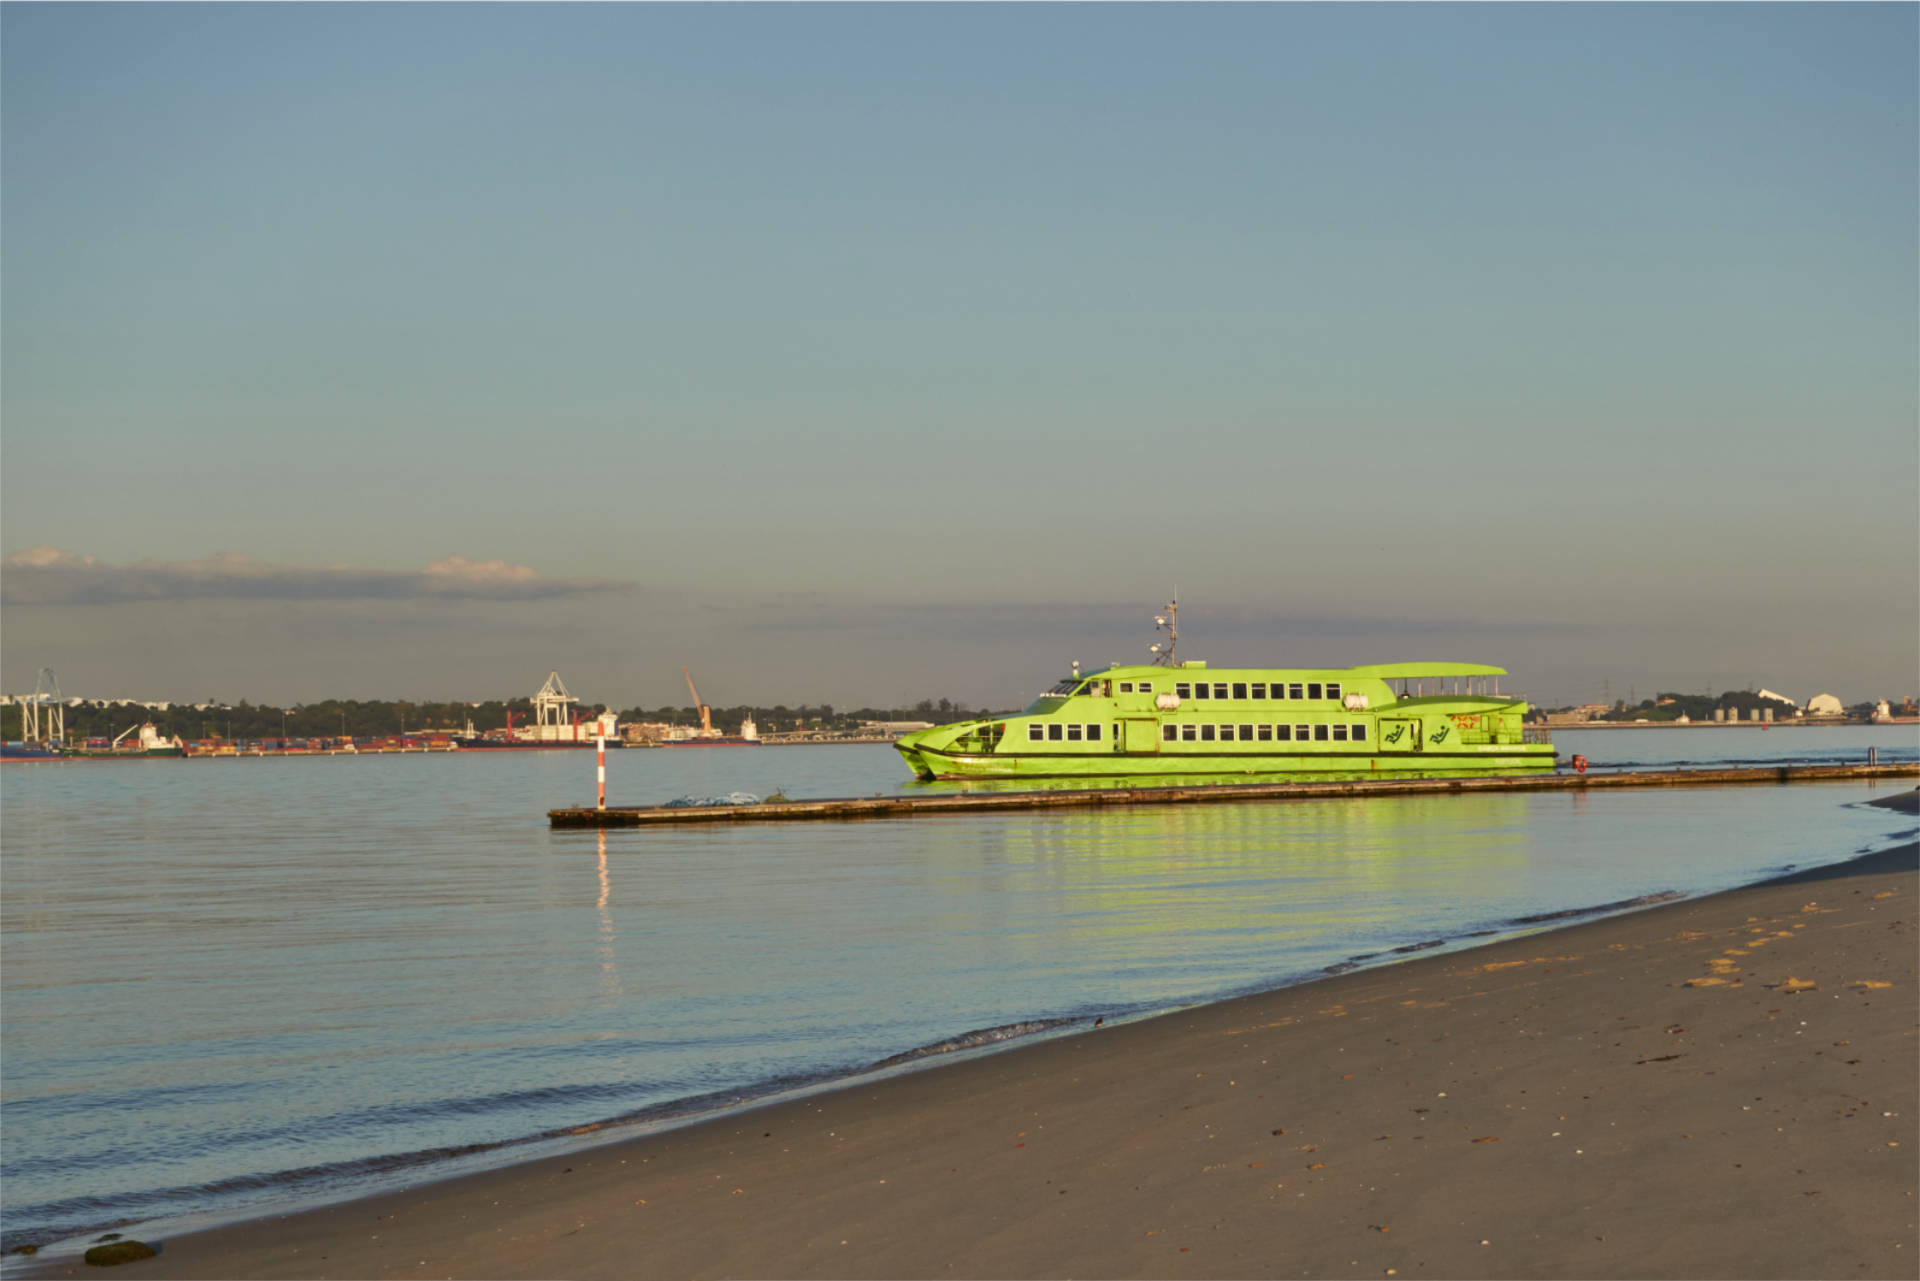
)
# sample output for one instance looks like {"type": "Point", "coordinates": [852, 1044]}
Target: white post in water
{"type": "Point", "coordinates": [600, 742]}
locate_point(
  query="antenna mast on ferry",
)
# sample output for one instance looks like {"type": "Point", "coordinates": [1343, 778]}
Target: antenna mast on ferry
{"type": "Point", "coordinates": [1169, 623]}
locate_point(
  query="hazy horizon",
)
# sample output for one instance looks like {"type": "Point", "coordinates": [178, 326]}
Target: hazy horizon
{"type": "Point", "coordinates": [866, 354]}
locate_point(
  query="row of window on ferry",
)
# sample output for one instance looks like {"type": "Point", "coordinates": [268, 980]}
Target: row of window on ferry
{"type": "Point", "coordinates": [1302, 690]}
{"type": "Point", "coordinates": [1323, 733]}
{"type": "Point", "coordinates": [1056, 732]}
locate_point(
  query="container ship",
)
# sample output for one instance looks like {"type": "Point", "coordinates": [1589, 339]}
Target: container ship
{"type": "Point", "coordinates": [552, 728]}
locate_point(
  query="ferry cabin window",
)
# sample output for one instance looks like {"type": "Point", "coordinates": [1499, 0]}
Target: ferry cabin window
{"type": "Point", "coordinates": [1093, 733]}
{"type": "Point", "coordinates": [1359, 733]}
{"type": "Point", "coordinates": [1053, 733]}
{"type": "Point", "coordinates": [1283, 733]}
{"type": "Point", "coordinates": [1266, 733]}
{"type": "Point", "coordinates": [1296, 691]}
{"type": "Point", "coordinates": [1246, 733]}
{"type": "Point", "coordinates": [1257, 690]}
{"type": "Point", "coordinates": [1219, 689]}
{"type": "Point", "coordinates": [1226, 733]}
{"type": "Point", "coordinates": [1301, 732]}
{"type": "Point", "coordinates": [1333, 690]}
{"type": "Point", "coordinates": [1145, 687]}
{"type": "Point", "coordinates": [1206, 733]}
{"type": "Point", "coordinates": [1064, 687]}
{"type": "Point", "coordinates": [1073, 733]}
{"type": "Point", "coordinates": [1239, 689]}
{"type": "Point", "coordinates": [1339, 733]}
{"type": "Point", "coordinates": [1187, 734]}
{"type": "Point", "coordinates": [1319, 733]}
{"type": "Point", "coordinates": [1313, 689]}
{"type": "Point", "coordinates": [1183, 690]}
{"type": "Point", "coordinates": [1036, 733]}
{"type": "Point", "coordinates": [1170, 733]}
{"type": "Point", "coordinates": [1126, 687]}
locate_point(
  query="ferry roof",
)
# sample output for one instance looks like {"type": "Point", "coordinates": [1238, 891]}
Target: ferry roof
{"type": "Point", "coordinates": [1379, 671]}
{"type": "Point", "coordinates": [1418, 671]}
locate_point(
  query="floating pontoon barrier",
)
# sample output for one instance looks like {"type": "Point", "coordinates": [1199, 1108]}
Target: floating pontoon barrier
{"type": "Point", "coordinates": [1215, 793]}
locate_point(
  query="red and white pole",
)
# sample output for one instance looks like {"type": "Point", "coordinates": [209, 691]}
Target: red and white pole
{"type": "Point", "coordinates": [601, 742]}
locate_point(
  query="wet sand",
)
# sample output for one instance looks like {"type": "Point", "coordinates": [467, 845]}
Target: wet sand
{"type": "Point", "coordinates": [1721, 1087]}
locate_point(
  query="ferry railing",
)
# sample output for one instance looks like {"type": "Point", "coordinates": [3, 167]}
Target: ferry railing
{"type": "Point", "coordinates": [1536, 734]}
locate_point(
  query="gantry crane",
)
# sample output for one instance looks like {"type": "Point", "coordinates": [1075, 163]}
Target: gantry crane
{"type": "Point", "coordinates": [706, 713]}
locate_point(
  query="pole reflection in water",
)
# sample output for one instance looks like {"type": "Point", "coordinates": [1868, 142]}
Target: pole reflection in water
{"type": "Point", "coordinates": [609, 966]}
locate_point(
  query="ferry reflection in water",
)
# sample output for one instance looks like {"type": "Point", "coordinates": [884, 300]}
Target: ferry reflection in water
{"type": "Point", "coordinates": [1166, 897]}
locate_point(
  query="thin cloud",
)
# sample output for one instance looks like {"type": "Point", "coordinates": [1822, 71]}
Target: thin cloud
{"type": "Point", "coordinates": [54, 576]}
{"type": "Point", "coordinates": [982, 619]}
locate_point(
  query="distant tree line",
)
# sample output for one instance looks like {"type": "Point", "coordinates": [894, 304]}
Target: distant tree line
{"type": "Point", "coordinates": [1701, 707]}
{"type": "Point", "coordinates": [333, 718]}
{"type": "Point", "coordinates": [825, 718]}
{"type": "Point", "coordinates": [355, 718]}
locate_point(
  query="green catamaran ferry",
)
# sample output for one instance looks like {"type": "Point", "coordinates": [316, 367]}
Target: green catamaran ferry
{"type": "Point", "coordinates": [1179, 718]}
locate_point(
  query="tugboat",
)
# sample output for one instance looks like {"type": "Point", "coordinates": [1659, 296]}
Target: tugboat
{"type": "Point", "coordinates": [150, 743]}
{"type": "Point", "coordinates": [1180, 718]}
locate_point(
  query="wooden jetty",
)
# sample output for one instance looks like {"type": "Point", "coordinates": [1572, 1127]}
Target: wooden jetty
{"type": "Point", "coordinates": [861, 807]}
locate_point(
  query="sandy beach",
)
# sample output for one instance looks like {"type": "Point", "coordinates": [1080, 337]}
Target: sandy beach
{"type": "Point", "coordinates": [1720, 1087]}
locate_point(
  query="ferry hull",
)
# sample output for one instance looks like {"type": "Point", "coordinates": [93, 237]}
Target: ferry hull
{"type": "Point", "coordinates": [933, 764]}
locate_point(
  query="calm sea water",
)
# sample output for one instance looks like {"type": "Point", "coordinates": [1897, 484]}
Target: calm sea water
{"type": "Point", "coordinates": [231, 984]}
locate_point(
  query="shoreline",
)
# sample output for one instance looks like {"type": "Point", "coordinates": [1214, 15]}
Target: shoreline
{"type": "Point", "coordinates": [1090, 1153]}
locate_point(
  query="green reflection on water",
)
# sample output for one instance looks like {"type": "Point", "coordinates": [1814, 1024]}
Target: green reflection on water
{"type": "Point", "coordinates": [1278, 873]}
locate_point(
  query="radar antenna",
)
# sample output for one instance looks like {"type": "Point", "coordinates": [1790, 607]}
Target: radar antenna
{"type": "Point", "coordinates": [1169, 623]}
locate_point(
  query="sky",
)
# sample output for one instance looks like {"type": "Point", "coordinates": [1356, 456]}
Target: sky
{"type": "Point", "coordinates": [864, 354]}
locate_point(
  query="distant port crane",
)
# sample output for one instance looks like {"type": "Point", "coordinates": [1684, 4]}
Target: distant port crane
{"type": "Point", "coordinates": [43, 716]}
{"type": "Point", "coordinates": [706, 713]}
{"type": "Point", "coordinates": [551, 706]}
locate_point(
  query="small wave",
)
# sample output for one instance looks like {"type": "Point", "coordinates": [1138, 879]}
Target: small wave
{"type": "Point", "coordinates": [52, 1221]}
{"type": "Point", "coordinates": [973, 1040]}
{"type": "Point", "coordinates": [1644, 900]}
{"type": "Point", "coordinates": [1904, 802]}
